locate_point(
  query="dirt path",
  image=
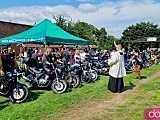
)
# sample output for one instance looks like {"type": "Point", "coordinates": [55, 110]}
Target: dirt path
{"type": "Point", "coordinates": [101, 107]}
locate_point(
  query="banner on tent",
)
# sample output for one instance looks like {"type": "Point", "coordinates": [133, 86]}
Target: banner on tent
{"type": "Point", "coordinates": [12, 41]}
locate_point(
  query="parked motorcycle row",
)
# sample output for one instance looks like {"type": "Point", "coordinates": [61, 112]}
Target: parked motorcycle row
{"type": "Point", "coordinates": [59, 79]}
{"type": "Point", "coordinates": [154, 60]}
{"type": "Point", "coordinates": [65, 75]}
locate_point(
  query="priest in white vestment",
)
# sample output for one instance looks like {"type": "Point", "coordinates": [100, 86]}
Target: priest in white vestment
{"type": "Point", "coordinates": [117, 70]}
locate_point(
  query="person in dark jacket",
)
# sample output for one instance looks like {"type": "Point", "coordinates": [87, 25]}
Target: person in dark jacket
{"type": "Point", "coordinates": [8, 63]}
{"type": "Point", "coordinates": [47, 60]}
{"type": "Point", "coordinates": [36, 56]}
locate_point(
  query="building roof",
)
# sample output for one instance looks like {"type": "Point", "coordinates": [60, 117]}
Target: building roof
{"type": "Point", "coordinates": [15, 23]}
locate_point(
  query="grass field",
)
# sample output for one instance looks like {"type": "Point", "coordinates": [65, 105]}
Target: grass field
{"type": "Point", "coordinates": [44, 103]}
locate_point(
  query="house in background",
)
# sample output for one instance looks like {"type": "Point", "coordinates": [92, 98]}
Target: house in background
{"type": "Point", "coordinates": [9, 28]}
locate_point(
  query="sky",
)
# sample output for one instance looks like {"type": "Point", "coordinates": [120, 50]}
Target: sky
{"type": "Point", "coordinates": [113, 15]}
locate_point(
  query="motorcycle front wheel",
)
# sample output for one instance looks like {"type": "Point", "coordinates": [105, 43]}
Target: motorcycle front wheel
{"type": "Point", "coordinates": [94, 75]}
{"type": "Point", "coordinates": [59, 86]}
{"type": "Point", "coordinates": [73, 81]}
{"type": "Point", "coordinates": [86, 77]}
{"type": "Point", "coordinates": [19, 94]}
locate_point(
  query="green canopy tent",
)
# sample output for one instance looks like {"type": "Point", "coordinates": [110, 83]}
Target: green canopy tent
{"type": "Point", "coordinates": [45, 32]}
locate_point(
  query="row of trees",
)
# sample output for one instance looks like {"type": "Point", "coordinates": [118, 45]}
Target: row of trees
{"type": "Point", "coordinates": [87, 31]}
{"type": "Point", "coordinates": [100, 37]}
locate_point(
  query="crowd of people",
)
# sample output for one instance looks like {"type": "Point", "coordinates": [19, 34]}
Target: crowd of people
{"type": "Point", "coordinates": [53, 57]}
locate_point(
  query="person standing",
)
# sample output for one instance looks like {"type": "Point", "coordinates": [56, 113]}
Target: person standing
{"type": "Point", "coordinates": [23, 55]}
{"type": "Point", "coordinates": [77, 57]}
{"type": "Point", "coordinates": [117, 70]}
{"type": "Point", "coordinates": [82, 55]}
{"type": "Point", "coordinates": [9, 62]}
{"type": "Point", "coordinates": [136, 59]}
{"type": "Point", "coordinates": [35, 56]}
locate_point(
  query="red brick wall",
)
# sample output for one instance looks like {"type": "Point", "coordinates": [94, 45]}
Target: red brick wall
{"type": "Point", "coordinates": [8, 28]}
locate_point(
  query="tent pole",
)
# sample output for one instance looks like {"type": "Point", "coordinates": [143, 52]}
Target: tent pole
{"type": "Point", "coordinates": [1, 48]}
{"type": "Point", "coordinates": [45, 47]}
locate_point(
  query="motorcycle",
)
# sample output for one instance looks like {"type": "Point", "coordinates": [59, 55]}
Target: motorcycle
{"type": "Point", "coordinates": [12, 88]}
{"type": "Point", "coordinates": [154, 59]}
{"type": "Point", "coordinates": [68, 75]}
{"type": "Point", "coordinates": [129, 65]}
{"type": "Point", "coordinates": [93, 72]}
{"type": "Point", "coordinates": [45, 78]}
{"type": "Point", "coordinates": [101, 66]}
{"type": "Point", "coordinates": [80, 70]}
{"type": "Point", "coordinates": [88, 66]}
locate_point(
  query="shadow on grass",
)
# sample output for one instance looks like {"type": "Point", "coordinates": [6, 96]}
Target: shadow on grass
{"type": "Point", "coordinates": [68, 90]}
{"type": "Point", "coordinates": [99, 78]}
{"type": "Point", "coordinates": [4, 104]}
{"type": "Point", "coordinates": [129, 72]}
{"type": "Point", "coordinates": [80, 85]}
{"type": "Point", "coordinates": [130, 87]}
{"type": "Point", "coordinates": [35, 87]}
{"type": "Point", "coordinates": [143, 77]}
{"type": "Point", "coordinates": [33, 95]}
{"type": "Point", "coordinates": [104, 74]}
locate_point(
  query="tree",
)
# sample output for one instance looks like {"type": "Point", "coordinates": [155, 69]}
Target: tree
{"type": "Point", "coordinates": [135, 34]}
{"type": "Point", "coordinates": [86, 31]}
{"type": "Point", "coordinates": [101, 38]}
{"type": "Point", "coordinates": [61, 21]}
{"type": "Point", "coordinates": [140, 31]}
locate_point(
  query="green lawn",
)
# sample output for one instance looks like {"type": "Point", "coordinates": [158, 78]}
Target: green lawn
{"type": "Point", "coordinates": [148, 96]}
{"type": "Point", "coordinates": [43, 103]}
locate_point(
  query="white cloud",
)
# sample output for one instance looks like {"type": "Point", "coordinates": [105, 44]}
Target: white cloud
{"type": "Point", "coordinates": [87, 8]}
{"type": "Point", "coordinates": [114, 16]}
